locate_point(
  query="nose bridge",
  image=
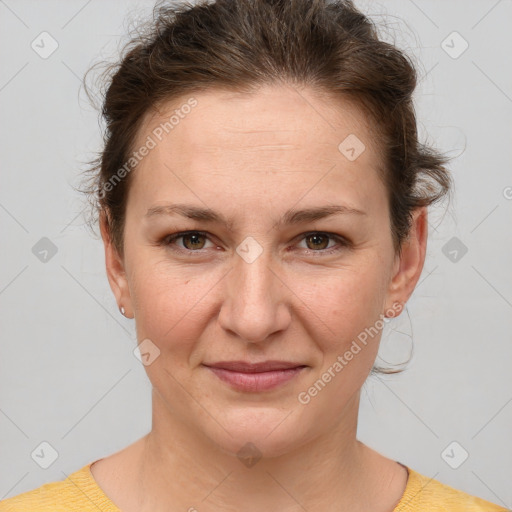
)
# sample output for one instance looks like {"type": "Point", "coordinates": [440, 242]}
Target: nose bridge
{"type": "Point", "coordinates": [253, 307]}
{"type": "Point", "coordinates": [255, 277]}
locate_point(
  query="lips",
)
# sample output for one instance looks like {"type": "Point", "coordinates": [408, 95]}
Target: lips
{"type": "Point", "coordinates": [255, 377]}
{"type": "Point", "coordinates": [246, 367]}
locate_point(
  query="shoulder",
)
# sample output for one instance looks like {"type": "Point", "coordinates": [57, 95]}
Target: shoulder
{"type": "Point", "coordinates": [424, 493]}
{"type": "Point", "coordinates": [77, 492]}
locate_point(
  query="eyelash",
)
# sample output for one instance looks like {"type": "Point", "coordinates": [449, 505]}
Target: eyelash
{"type": "Point", "coordinates": [342, 242]}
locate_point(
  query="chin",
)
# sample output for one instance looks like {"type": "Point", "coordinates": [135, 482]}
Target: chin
{"type": "Point", "coordinates": [258, 432]}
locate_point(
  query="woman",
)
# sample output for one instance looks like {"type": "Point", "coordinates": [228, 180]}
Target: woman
{"type": "Point", "coordinates": [262, 199]}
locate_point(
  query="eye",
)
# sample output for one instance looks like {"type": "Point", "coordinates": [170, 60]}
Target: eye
{"type": "Point", "coordinates": [318, 242]}
{"type": "Point", "coordinates": [195, 241]}
{"type": "Point", "coordinates": [192, 240]}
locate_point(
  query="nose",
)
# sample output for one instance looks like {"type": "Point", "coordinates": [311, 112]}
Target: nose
{"type": "Point", "coordinates": [255, 300]}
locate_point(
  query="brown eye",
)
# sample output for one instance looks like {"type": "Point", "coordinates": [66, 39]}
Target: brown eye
{"type": "Point", "coordinates": [317, 241]}
{"type": "Point", "coordinates": [193, 241]}
{"type": "Point", "coordinates": [190, 242]}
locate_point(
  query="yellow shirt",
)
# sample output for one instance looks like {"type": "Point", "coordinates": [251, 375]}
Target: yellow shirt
{"type": "Point", "coordinates": [79, 492]}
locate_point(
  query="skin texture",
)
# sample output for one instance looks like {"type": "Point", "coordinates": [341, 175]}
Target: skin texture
{"type": "Point", "coordinates": [252, 157]}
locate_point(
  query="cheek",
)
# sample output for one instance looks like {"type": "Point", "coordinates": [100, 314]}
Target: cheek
{"type": "Point", "coordinates": [171, 304]}
{"type": "Point", "coordinates": [345, 301]}
{"type": "Point", "coordinates": [349, 305]}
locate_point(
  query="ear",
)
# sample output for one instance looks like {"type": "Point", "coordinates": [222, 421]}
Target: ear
{"type": "Point", "coordinates": [409, 264]}
{"type": "Point", "coordinates": [115, 268]}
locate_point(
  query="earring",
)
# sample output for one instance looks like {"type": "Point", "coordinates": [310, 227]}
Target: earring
{"type": "Point", "coordinates": [122, 310]}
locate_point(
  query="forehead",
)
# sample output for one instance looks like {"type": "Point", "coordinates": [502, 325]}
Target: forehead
{"type": "Point", "coordinates": [278, 139]}
{"type": "Point", "coordinates": [221, 116]}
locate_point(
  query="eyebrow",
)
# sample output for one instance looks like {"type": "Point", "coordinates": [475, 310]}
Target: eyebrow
{"type": "Point", "coordinates": [291, 217]}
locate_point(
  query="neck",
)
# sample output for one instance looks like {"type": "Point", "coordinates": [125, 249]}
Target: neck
{"type": "Point", "coordinates": [180, 469]}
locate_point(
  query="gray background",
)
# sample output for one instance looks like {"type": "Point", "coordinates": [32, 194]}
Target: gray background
{"type": "Point", "coordinates": [68, 375]}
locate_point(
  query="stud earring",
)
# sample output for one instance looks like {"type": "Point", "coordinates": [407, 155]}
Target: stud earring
{"type": "Point", "coordinates": [122, 310]}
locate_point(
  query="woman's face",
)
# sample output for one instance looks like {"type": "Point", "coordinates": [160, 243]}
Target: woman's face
{"type": "Point", "coordinates": [269, 284]}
